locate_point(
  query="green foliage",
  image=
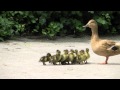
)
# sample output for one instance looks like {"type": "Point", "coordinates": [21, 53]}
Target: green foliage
{"type": "Point", "coordinates": [6, 30]}
{"type": "Point", "coordinates": [53, 23]}
{"type": "Point", "coordinates": [52, 29]}
{"type": "Point", "coordinates": [103, 19]}
{"type": "Point", "coordinates": [78, 25]}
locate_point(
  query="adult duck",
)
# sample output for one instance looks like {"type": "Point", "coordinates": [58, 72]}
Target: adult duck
{"type": "Point", "coordinates": [102, 47]}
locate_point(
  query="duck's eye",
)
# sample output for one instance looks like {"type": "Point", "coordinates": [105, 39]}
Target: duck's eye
{"type": "Point", "coordinates": [92, 22]}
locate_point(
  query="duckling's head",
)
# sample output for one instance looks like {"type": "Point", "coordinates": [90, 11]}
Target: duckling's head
{"type": "Point", "coordinates": [72, 51]}
{"type": "Point", "coordinates": [58, 51]}
{"type": "Point", "coordinates": [82, 52]}
{"type": "Point", "coordinates": [91, 24]}
{"type": "Point", "coordinates": [66, 51]}
{"type": "Point", "coordinates": [48, 54]}
{"type": "Point", "coordinates": [76, 51]}
{"type": "Point", "coordinates": [87, 49]}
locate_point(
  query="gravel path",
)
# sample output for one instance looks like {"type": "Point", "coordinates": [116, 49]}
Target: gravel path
{"type": "Point", "coordinates": [19, 60]}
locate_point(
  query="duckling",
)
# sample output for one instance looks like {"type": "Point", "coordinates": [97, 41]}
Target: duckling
{"type": "Point", "coordinates": [65, 57]}
{"type": "Point", "coordinates": [87, 54]}
{"type": "Point", "coordinates": [71, 57]}
{"type": "Point", "coordinates": [76, 56]}
{"type": "Point", "coordinates": [43, 59]}
{"type": "Point", "coordinates": [57, 57]}
{"type": "Point", "coordinates": [79, 57]}
{"type": "Point", "coordinates": [82, 57]}
{"type": "Point", "coordinates": [54, 60]}
{"type": "Point", "coordinates": [46, 58]}
{"type": "Point", "coordinates": [76, 52]}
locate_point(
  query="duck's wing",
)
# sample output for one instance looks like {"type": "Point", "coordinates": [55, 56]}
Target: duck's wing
{"type": "Point", "coordinates": [107, 43]}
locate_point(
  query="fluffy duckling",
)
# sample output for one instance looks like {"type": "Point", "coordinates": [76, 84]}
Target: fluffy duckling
{"type": "Point", "coordinates": [46, 58]}
{"type": "Point", "coordinates": [82, 56]}
{"type": "Point", "coordinates": [87, 54]}
{"type": "Point", "coordinates": [78, 60]}
{"type": "Point", "coordinates": [57, 57]}
{"type": "Point", "coordinates": [53, 60]}
{"type": "Point", "coordinates": [76, 56]}
{"type": "Point", "coordinates": [76, 52]}
{"type": "Point", "coordinates": [65, 57]}
{"type": "Point", "coordinates": [72, 56]}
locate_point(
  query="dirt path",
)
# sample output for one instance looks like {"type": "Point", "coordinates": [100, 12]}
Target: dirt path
{"type": "Point", "coordinates": [19, 60]}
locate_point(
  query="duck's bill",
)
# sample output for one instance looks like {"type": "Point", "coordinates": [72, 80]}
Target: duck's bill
{"type": "Point", "coordinates": [85, 26]}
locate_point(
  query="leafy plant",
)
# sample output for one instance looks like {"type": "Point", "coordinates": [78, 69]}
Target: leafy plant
{"type": "Point", "coordinates": [6, 30]}
{"type": "Point", "coordinates": [53, 23]}
{"type": "Point", "coordinates": [52, 29]}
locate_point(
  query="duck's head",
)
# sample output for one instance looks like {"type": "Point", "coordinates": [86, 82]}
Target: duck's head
{"type": "Point", "coordinates": [91, 23]}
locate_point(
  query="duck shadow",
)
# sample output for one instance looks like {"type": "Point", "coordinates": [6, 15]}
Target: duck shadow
{"type": "Point", "coordinates": [103, 64]}
{"type": "Point", "coordinates": [108, 64]}
{"type": "Point", "coordinates": [113, 63]}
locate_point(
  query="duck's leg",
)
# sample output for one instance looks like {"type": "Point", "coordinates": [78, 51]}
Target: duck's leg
{"type": "Point", "coordinates": [106, 60]}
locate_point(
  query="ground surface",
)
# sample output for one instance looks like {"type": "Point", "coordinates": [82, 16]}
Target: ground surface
{"type": "Point", "coordinates": [19, 60]}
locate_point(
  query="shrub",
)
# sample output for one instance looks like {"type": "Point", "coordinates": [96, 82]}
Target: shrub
{"type": "Point", "coordinates": [53, 23]}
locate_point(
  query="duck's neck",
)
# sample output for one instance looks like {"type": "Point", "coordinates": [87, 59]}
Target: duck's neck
{"type": "Point", "coordinates": [95, 35]}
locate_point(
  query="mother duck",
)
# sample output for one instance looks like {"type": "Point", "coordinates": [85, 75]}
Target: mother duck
{"type": "Point", "coordinates": [102, 47]}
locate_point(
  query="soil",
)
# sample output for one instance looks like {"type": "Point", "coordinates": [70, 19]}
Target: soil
{"type": "Point", "coordinates": [19, 60]}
